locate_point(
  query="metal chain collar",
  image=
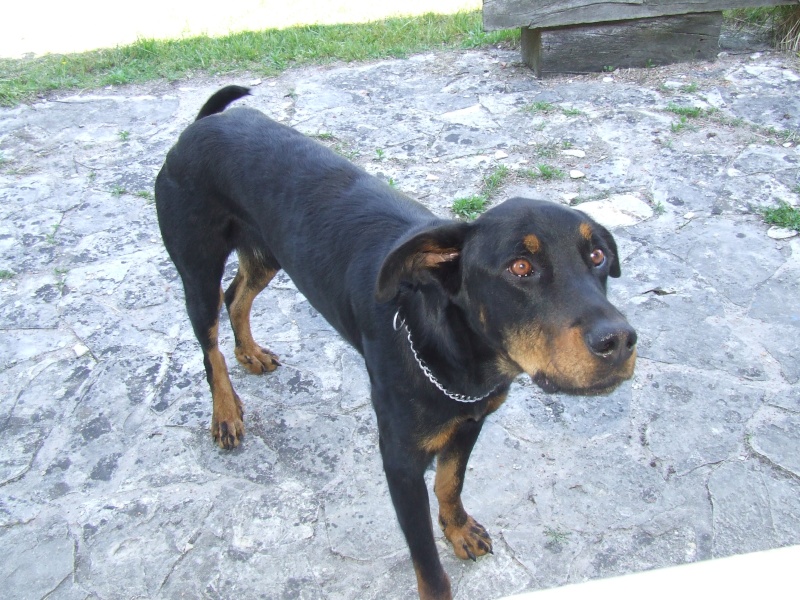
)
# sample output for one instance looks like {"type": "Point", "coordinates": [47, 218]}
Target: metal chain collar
{"type": "Point", "coordinates": [400, 323]}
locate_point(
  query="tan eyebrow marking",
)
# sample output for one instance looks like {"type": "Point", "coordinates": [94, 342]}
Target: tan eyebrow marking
{"type": "Point", "coordinates": [532, 243]}
{"type": "Point", "coordinates": [586, 231]}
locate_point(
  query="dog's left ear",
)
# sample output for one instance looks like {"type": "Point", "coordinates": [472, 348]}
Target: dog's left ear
{"type": "Point", "coordinates": [432, 252]}
{"type": "Point", "coordinates": [614, 270]}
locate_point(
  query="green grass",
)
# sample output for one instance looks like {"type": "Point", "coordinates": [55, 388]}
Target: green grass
{"type": "Point", "coordinates": [51, 237]}
{"type": "Point", "coordinates": [118, 190]}
{"type": "Point", "coordinates": [6, 274]}
{"type": "Point", "coordinates": [750, 16]}
{"type": "Point", "coordinates": [557, 536]}
{"type": "Point", "coordinates": [61, 278]}
{"type": "Point", "coordinates": [782, 21]}
{"type": "Point", "coordinates": [493, 181]}
{"type": "Point", "coordinates": [265, 53]}
{"type": "Point", "coordinates": [544, 171]}
{"type": "Point", "coordinates": [547, 150]}
{"type": "Point", "coordinates": [785, 215]}
{"type": "Point", "coordinates": [686, 111]}
{"type": "Point", "coordinates": [683, 123]}
{"type": "Point", "coordinates": [539, 107]}
{"type": "Point", "coordinates": [470, 208]}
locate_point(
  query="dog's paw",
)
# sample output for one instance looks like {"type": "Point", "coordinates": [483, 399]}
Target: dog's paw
{"type": "Point", "coordinates": [470, 540]}
{"type": "Point", "coordinates": [257, 360]}
{"type": "Point", "coordinates": [227, 425]}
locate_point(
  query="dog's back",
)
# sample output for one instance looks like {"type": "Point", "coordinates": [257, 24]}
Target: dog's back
{"type": "Point", "coordinates": [240, 176]}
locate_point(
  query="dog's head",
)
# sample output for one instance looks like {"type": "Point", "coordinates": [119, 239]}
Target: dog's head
{"type": "Point", "coordinates": [530, 277]}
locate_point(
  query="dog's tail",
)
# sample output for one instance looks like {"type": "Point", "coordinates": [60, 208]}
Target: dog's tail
{"type": "Point", "coordinates": [221, 99]}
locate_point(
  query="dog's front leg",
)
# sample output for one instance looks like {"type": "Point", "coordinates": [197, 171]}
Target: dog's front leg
{"type": "Point", "coordinates": [469, 538]}
{"type": "Point", "coordinates": [405, 470]}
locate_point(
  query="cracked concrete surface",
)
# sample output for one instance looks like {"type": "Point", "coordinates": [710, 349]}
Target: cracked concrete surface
{"type": "Point", "coordinates": [110, 486]}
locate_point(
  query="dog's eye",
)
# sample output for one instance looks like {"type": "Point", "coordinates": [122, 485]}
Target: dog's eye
{"type": "Point", "coordinates": [598, 257]}
{"type": "Point", "coordinates": [521, 267]}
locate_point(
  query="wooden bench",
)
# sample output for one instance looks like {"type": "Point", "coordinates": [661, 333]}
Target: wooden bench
{"type": "Point", "coordinates": [594, 35]}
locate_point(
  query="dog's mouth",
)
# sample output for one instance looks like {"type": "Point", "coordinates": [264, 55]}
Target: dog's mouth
{"type": "Point", "coordinates": [549, 385]}
{"type": "Point", "coordinates": [546, 384]}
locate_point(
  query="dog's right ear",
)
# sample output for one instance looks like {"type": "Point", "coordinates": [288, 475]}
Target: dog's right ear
{"type": "Point", "coordinates": [430, 253]}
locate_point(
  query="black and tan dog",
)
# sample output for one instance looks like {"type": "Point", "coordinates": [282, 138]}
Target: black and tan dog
{"type": "Point", "coordinates": [445, 313]}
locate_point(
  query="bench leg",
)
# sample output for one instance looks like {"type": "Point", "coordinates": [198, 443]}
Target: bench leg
{"type": "Point", "coordinates": [531, 43]}
{"type": "Point", "coordinates": [622, 44]}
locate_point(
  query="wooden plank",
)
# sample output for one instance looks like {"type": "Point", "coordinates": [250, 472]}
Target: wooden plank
{"type": "Point", "coordinates": [510, 14]}
{"type": "Point", "coordinates": [624, 44]}
{"type": "Point", "coordinates": [531, 45]}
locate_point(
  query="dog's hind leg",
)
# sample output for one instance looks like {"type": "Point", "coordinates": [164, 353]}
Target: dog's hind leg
{"type": "Point", "coordinates": [203, 303]}
{"type": "Point", "coordinates": [254, 273]}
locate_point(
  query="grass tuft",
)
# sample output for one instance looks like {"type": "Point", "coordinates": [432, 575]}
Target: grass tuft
{"type": "Point", "coordinates": [470, 208]}
{"type": "Point", "coordinates": [493, 181]}
{"type": "Point", "coordinates": [686, 111]}
{"type": "Point", "coordinates": [544, 171]}
{"type": "Point", "coordinates": [264, 53]}
{"type": "Point", "coordinates": [786, 216]}
{"type": "Point", "coordinates": [783, 22]}
{"type": "Point", "coordinates": [539, 107]}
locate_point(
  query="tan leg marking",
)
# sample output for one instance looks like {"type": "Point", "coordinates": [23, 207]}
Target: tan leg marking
{"type": "Point", "coordinates": [227, 426]}
{"type": "Point", "coordinates": [247, 284]}
{"type": "Point", "coordinates": [469, 538]}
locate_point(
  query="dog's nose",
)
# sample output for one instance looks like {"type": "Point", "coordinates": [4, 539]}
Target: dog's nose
{"type": "Point", "coordinates": [613, 342]}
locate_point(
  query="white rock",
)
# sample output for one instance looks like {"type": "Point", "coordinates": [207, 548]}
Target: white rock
{"type": "Point", "coordinates": [255, 82]}
{"type": "Point", "coordinates": [500, 154]}
{"type": "Point", "coordinates": [431, 177]}
{"type": "Point", "coordinates": [688, 215]}
{"type": "Point", "coordinates": [714, 98]}
{"type": "Point", "coordinates": [780, 233]}
{"type": "Point", "coordinates": [608, 80]}
{"type": "Point", "coordinates": [620, 210]}
{"type": "Point", "coordinates": [575, 174]}
{"type": "Point", "coordinates": [574, 152]}
{"type": "Point", "coordinates": [79, 350]}
{"type": "Point", "coordinates": [473, 116]}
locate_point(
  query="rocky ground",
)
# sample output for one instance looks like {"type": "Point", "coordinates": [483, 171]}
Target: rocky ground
{"type": "Point", "coordinates": [110, 486]}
